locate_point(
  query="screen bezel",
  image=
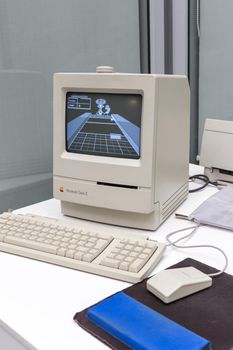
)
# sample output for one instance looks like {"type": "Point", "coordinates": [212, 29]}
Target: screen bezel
{"type": "Point", "coordinates": [84, 167]}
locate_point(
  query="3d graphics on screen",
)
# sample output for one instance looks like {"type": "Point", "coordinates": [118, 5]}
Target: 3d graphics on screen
{"type": "Point", "coordinates": [103, 124]}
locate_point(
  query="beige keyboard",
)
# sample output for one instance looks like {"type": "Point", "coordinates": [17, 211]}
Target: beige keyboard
{"type": "Point", "coordinates": [128, 257]}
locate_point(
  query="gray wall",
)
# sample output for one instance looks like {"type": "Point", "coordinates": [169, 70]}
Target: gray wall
{"type": "Point", "coordinates": [50, 35]}
{"type": "Point", "coordinates": [216, 61]}
{"type": "Point", "coordinates": [38, 38]}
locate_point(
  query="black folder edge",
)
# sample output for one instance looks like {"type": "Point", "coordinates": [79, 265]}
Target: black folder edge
{"type": "Point", "coordinates": [216, 324]}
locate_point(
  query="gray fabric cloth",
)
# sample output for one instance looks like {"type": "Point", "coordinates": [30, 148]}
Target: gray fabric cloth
{"type": "Point", "coordinates": [216, 210]}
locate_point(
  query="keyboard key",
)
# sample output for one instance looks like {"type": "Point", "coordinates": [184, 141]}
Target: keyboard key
{"type": "Point", "coordinates": [129, 259]}
{"type": "Point", "coordinates": [133, 254]}
{"type": "Point", "coordinates": [41, 234]}
{"type": "Point", "coordinates": [137, 249]}
{"type": "Point", "coordinates": [150, 252]}
{"type": "Point", "coordinates": [74, 241]}
{"type": "Point", "coordinates": [128, 247]}
{"type": "Point", "coordinates": [68, 234]}
{"type": "Point", "coordinates": [101, 244]}
{"type": "Point", "coordinates": [82, 249]}
{"type": "Point", "coordinates": [124, 266]}
{"type": "Point", "coordinates": [70, 253]}
{"type": "Point", "coordinates": [63, 244]}
{"type": "Point", "coordinates": [120, 245]}
{"type": "Point", "coordinates": [92, 240]}
{"type": "Point", "coordinates": [124, 252]}
{"type": "Point", "coordinates": [136, 265]}
{"type": "Point", "coordinates": [119, 257]}
{"type": "Point", "coordinates": [99, 235]}
{"type": "Point", "coordinates": [142, 256]}
{"type": "Point", "coordinates": [89, 245]}
{"type": "Point", "coordinates": [88, 257]}
{"type": "Point", "coordinates": [110, 263]}
{"type": "Point", "coordinates": [59, 233]}
{"type": "Point", "coordinates": [61, 251]}
{"type": "Point", "coordinates": [78, 255]}
{"type": "Point", "coordinates": [67, 229]}
{"type": "Point", "coordinates": [93, 251]}
{"type": "Point", "coordinates": [147, 250]}
{"type": "Point", "coordinates": [52, 231]}
{"type": "Point", "coordinates": [150, 244]}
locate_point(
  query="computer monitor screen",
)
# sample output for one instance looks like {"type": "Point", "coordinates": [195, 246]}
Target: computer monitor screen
{"type": "Point", "coordinates": [103, 124]}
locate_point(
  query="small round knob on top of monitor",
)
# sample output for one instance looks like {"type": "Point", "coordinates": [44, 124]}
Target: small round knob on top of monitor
{"type": "Point", "coordinates": [104, 69]}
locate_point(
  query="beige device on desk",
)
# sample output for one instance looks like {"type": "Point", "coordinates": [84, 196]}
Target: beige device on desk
{"type": "Point", "coordinates": [121, 146]}
{"type": "Point", "coordinates": [173, 284]}
{"type": "Point", "coordinates": [216, 150]}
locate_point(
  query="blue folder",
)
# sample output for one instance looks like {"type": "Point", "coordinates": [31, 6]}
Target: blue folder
{"type": "Point", "coordinates": [141, 328]}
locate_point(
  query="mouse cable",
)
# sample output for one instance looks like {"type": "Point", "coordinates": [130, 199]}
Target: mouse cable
{"type": "Point", "coordinates": [194, 229]}
{"type": "Point", "coordinates": [203, 178]}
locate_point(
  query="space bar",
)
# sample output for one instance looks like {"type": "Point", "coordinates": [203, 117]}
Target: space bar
{"type": "Point", "coordinates": [30, 244]}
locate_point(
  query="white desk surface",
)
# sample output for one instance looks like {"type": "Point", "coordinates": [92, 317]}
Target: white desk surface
{"type": "Point", "coordinates": [39, 300]}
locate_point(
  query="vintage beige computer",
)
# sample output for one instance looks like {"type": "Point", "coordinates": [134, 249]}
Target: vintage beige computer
{"type": "Point", "coordinates": [121, 146]}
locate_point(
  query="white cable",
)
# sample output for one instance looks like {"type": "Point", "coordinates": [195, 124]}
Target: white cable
{"type": "Point", "coordinates": [198, 19]}
{"type": "Point", "coordinates": [181, 230]}
{"type": "Point", "coordinates": [194, 229]}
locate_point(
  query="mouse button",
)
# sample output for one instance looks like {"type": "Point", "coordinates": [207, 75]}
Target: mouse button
{"type": "Point", "coordinates": [164, 282]}
{"type": "Point", "coordinates": [192, 275]}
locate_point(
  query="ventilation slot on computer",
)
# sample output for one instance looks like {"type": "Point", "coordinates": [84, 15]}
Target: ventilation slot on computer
{"type": "Point", "coordinates": [226, 172]}
{"type": "Point", "coordinates": [169, 206]}
{"type": "Point", "coordinates": [117, 185]}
